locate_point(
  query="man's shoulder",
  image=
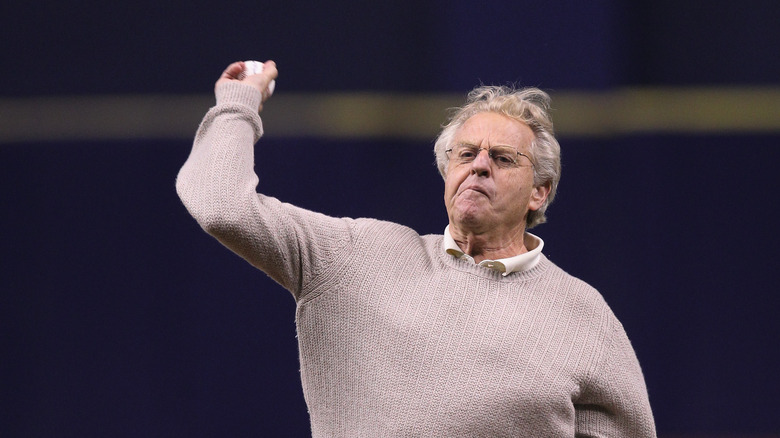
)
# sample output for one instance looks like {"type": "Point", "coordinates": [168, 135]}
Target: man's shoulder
{"type": "Point", "coordinates": [581, 289]}
{"type": "Point", "coordinates": [391, 231]}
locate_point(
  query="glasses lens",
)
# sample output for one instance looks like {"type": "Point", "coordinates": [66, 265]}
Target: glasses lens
{"type": "Point", "coordinates": [504, 156]}
{"type": "Point", "coordinates": [466, 153]}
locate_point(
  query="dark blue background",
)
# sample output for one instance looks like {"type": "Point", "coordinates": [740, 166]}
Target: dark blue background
{"type": "Point", "coordinates": [120, 317]}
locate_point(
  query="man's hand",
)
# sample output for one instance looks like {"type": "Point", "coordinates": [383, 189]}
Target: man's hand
{"type": "Point", "coordinates": [259, 81]}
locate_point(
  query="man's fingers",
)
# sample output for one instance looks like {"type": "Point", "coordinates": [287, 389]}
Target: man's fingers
{"type": "Point", "coordinates": [233, 70]}
{"type": "Point", "coordinates": [269, 67]}
{"type": "Point", "coordinates": [261, 76]}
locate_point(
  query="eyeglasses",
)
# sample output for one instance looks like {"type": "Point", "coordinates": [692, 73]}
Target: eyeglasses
{"type": "Point", "coordinates": [505, 157]}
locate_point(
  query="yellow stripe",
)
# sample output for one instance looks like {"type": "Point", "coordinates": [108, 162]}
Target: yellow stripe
{"type": "Point", "coordinates": [659, 110]}
{"type": "Point", "coordinates": [385, 115]}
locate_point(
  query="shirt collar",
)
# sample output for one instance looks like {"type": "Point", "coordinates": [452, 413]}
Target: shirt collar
{"type": "Point", "coordinates": [506, 266]}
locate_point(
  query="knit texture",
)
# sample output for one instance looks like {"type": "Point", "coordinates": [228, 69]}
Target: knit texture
{"type": "Point", "coordinates": [398, 338]}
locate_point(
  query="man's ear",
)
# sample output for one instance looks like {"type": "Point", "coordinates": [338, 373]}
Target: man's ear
{"type": "Point", "coordinates": [538, 196]}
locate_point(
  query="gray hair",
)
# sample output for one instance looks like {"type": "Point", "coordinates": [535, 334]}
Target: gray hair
{"type": "Point", "coordinates": [530, 106]}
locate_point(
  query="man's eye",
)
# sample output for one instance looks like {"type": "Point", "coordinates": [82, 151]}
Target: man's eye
{"type": "Point", "coordinates": [467, 154]}
{"type": "Point", "coordinates": [504, 159]}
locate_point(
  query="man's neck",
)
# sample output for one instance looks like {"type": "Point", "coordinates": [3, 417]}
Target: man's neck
{"type": "Point", "coordinates": [490, 246]}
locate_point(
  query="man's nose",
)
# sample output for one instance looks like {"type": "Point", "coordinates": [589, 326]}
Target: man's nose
{"type": "Point", "coordinates": [481, 164]}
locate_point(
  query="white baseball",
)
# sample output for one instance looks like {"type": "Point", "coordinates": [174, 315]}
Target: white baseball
{"type": "Point", "coordinates": [253, 68]}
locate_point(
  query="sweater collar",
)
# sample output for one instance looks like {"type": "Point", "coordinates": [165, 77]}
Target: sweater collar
{"type": "Point", "coordinates": [506, 266]}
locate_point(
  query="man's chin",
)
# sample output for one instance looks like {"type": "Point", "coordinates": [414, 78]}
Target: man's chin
{"type": "Point", "coordinates": [472, 218]}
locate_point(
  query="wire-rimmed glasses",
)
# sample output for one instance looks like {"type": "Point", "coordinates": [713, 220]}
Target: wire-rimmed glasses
{"type": "Point", "coordinates": [505, 157]}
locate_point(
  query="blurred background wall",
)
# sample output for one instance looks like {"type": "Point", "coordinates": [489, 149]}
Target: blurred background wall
{"type": "Point", "coordinates": [120, 317]}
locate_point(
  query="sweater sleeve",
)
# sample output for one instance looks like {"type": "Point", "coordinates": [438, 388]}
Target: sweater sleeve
{"type": "Point", "coordinates": [218, 184]}
{"type": "Point", "coordinates": [614, 402]}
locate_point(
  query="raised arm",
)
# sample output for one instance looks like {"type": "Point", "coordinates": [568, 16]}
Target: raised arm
{"type": "Point", "coordinates": [218, 178]}
{"type": "Point", "coordinates": [218, 185]}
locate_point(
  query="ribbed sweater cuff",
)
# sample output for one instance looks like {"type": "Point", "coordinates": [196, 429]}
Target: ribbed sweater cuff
{"type": "Point", "coordinates": [236, 92]}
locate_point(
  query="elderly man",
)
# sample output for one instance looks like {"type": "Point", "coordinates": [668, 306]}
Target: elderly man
{"type": "Point", "coordinates": [473, 333]}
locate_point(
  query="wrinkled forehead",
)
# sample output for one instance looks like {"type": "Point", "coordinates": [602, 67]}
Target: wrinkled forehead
{"type": "Point", "coordinates": [488, 129]}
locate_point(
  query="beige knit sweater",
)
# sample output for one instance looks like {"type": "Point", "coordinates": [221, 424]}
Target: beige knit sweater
{"type": "Point", "coordinates": [398, 338]}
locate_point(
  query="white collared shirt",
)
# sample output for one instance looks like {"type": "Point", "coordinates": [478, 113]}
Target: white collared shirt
{"type": "Point", "coordinates": [522, 262]}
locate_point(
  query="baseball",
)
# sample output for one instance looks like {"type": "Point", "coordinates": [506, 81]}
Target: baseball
{"type": "Point", "coordinates": [253, 68]}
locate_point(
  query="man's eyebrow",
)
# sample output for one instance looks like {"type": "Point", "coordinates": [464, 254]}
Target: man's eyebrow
{"type": "Point", "coordinates": [465, 143]}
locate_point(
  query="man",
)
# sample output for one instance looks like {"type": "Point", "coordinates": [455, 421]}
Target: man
{"type": "Point", "coordinates": [473, 333]}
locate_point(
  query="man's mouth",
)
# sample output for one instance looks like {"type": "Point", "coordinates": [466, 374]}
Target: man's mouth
{"type": "Point", "coordinates": [474, 189]}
